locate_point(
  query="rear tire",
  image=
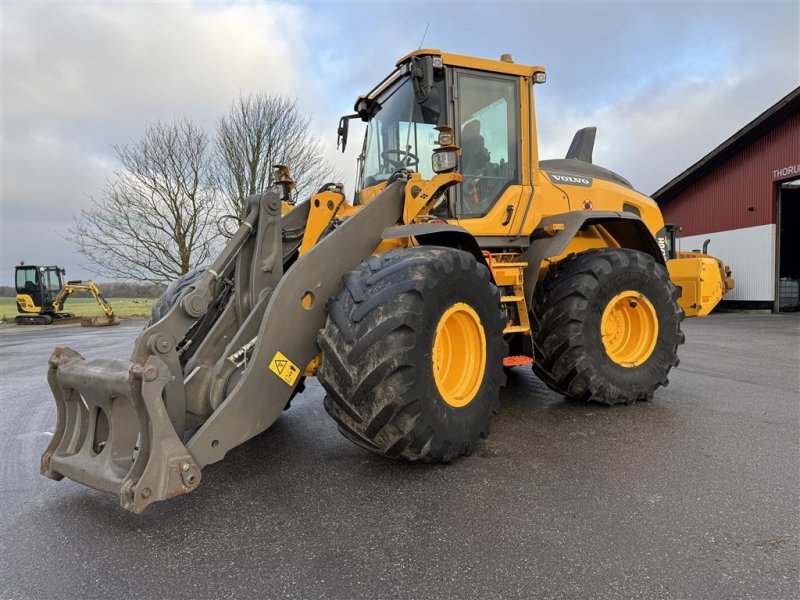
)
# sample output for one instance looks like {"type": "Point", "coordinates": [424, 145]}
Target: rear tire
{"type": "Point", "coordinates": [382, 354]}
{"type": "Point", "coordinates": [573, 357]}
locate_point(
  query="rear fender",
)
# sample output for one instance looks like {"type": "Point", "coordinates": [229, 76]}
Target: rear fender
{"type": "Point", "coordinates": [554, 234]}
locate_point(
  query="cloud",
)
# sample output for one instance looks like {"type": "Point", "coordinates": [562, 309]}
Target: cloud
{"type": "Point", "coordinates": [652, 133]}
{"type": "Point", "coordinates": [79, 78]}
{"type": "Point", "coordinates": [664, 83]}
{"type": "Point", "coordinates": [95, 62]}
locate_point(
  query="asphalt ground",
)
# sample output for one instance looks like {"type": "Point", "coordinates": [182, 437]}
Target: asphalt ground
{"type": "Point", "coordinates": [693, 495]}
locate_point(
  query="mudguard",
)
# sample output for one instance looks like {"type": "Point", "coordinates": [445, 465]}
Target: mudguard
{"type": "Point", "coordinates": [554, 233]}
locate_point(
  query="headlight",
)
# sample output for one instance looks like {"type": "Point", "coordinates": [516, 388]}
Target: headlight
{"type": "Point", "coordinates": [444, 160]}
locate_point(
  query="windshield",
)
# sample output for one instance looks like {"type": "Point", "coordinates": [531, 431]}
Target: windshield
{"type": "Point", "coordinates": [402, 133]}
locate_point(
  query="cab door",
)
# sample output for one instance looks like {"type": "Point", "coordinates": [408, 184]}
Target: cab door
{"type": "Point", "coordinates": [28, 284]}
{"type": "Point", "coordinates": [487, 117]}
{"type": "Point", "coordinates": [51, 286]}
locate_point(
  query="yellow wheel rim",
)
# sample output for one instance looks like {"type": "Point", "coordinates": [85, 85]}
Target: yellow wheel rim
{"type": "Point", "coordinates": [629, 328]}
{"type": "Point", "coordinates": [459, 355]}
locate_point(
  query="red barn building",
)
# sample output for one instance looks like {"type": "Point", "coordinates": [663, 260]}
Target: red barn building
{"type": "Point", "coordinates": [745, 197]}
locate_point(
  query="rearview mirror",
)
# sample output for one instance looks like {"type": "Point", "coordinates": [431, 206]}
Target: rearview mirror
{"type": "Point", "coordinates": [341, 132]}
{"type": "Point", "coordinates": [422, 77]}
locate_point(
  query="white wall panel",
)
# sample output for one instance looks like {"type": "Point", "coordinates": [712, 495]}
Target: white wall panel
{"type": "Point", "coordinates": [749, 252]}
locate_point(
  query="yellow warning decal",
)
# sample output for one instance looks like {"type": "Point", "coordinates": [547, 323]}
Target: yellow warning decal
{"type": "Point", "coordinates": [284, 368]}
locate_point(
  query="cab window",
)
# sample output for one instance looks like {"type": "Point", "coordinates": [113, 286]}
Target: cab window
{"type": "Point", "coordinates": [52, 282]}
{"type": "Point", "coordinates": [27, 280]}
{"type": "Point", "coordinates": [489, 140]}
{"type": "Point", "coordinates": [402, 133]}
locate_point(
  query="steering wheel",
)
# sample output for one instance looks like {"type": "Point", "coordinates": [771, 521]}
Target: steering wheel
{"type": "Point", "coordinates": [404, 158]}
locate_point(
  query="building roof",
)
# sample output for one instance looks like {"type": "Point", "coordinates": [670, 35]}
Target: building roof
{"type": "Point", "coordinates": [766, 121]}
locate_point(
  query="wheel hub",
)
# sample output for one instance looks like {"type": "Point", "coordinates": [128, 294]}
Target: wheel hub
{"type": "Point", "coordinates": [459, 355]}
{"type": "Point", "coordinates": [629, 328]}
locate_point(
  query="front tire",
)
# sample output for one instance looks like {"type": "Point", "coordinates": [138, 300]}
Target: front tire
{"type": "Point", "coordinates": [607, 326]}
{"type": "Point", "coordinates": [412, 354]}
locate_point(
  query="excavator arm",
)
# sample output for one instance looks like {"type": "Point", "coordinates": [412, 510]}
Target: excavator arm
{"type": "Point", "coordinates": [91, 287]}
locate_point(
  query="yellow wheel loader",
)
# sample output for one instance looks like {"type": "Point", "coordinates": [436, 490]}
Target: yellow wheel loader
{"type": "Point", "coordinates": [41, 296]}
{"type": "Point", "coordinates": [461, 254]}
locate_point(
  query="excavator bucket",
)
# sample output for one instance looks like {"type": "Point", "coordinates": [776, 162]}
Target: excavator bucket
{"type": "Point", "coordinates": [100, 321]}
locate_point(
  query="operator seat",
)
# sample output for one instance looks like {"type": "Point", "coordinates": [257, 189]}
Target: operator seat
{"type": "Point", "coordinates": [475, 163]}
{"type": "Point", "coordinates": [474, 155]}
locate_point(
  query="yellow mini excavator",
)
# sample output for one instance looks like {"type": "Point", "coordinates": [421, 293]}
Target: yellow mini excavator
{"type": "Point", "coordinates": [41, 296]}
{"type": "Point", "coordinates": [462, 253]}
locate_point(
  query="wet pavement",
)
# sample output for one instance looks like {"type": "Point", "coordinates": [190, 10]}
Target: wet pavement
{"type": "Point", "coordinates": [693, 495]}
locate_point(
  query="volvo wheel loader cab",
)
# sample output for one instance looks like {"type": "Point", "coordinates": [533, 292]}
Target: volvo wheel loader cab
{"type": "Point", "coordinates": [461, 254]}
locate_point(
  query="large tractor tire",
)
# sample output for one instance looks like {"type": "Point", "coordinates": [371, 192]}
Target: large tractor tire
{"type": "Point", "coordinates": [412, 354]}
{"type": "Point", "coordinates": [607, 326]}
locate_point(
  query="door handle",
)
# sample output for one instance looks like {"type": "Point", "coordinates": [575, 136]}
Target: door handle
{"type": "Point", "coordinates": [509, 212]}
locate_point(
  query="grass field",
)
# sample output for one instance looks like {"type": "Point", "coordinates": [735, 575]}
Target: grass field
{"type": "Point", "coordinates": [87, 307]}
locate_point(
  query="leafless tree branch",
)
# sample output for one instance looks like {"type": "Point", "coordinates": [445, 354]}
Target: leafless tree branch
{"type": "Point", "coordinates": [261, 130]}
{"type": "Point", "coordinates": [155, 218]}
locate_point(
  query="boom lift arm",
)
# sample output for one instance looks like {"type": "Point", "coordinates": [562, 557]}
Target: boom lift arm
{"type": "Point", "coordinates": [228, 385]}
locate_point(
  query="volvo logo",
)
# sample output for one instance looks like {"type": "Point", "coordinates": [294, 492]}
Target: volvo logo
{"type": "Point", "coordinates": [570, 179]}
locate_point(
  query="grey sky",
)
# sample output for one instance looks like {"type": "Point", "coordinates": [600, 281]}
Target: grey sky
{"type": "Point", "coordinates": [664, 83]}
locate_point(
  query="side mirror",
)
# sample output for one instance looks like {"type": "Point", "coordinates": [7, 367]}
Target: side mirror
{"type": "Point", "coordinates": [422, 77]}
{"type": "Point", "coordinates": [341, 132]}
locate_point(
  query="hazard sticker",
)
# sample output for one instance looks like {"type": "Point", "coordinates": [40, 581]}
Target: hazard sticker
{"type": "Point", "coordinates": [284, 368]}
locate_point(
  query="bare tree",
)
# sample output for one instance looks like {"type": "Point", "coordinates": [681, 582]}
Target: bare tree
{"type": "Point", "coordinates": [156, 216]}
{"type": "Point", "coordinates": [261, 130]}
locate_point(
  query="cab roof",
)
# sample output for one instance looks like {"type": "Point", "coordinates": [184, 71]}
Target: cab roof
{"type": "Point", "coordinates": [473, 62]}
